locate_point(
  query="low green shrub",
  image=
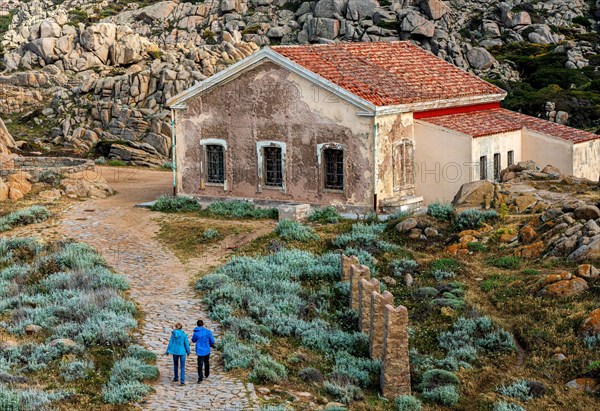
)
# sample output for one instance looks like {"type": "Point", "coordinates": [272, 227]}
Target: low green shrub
{"type": "Point", "coordinates": [235, 353]}
{"type": "Point", "coordinates": [477, 247]}
{"type": "Point", "coordinates": [530, 271]}
{"type": "Point", "coordinates": [141, 353]}
{"type": "Point", "coordinates": [407, 403]}
{"type": "Point", "coordinates": [128, 391]}
{"type": "Point", "coordinates": [210, 234]}
{"type": "Point", "coordinates": [293, 230]}
{"type": "Point", "coordinates": [116, 163]}
{"type": "Point", "coordinates": [509, 262]}
{"type": "Point", "coordinates": [402, 266]}
{"type": "Point", "coordinates": [75, 370]}
{"type": "Point", "coordinates": [441, 211]}
{"type": "Point", "coordinates": [51, 177]}
{"type": "Point", "coordinates": [26, 216]}
{"type": "Point", "coordinates": [446, 264]}
{"type": "Point", "coordinates": [240, 209]}
{"type": "Point", "coordinates": [266, 369]}
{"type": "Point", "coordinates": [519, 390]}
{"type": "Point", "coordinates": [364, 236]}
{"type": "Point", "coordinates": [311, 375]}
{"type": "Point", "coordinates": [126, 381]}
{"type": "Point", "coordinates": [473, 219]}
{"type": "Point", "coordinates": [441, 275]}
{"type": "Point", "coordinates": [168, 165]}
{"type": "Point", "coordinates": [325, 215]}
{"type": "Point", "coordinates": [170, 204]}
{"type": "Point", "coordinates": [343, 392]}
{"type": "Point", "coordinates": [591, 341]}
{"type": "Point", "coordinates": [468, 336]}
{"type": "Point", "coordinates": [363, 372]}
{"type": "Point", "coordinates": [435, 378]}
{"type": "Point", "coordinates": [445, 395]}
{"type": "Point", "coordinates": [507, 406]}
{"type": "Point", "coordinates": [131, 368]}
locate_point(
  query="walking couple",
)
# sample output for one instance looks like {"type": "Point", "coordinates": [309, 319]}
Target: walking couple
{"type": "Point", "coordinates": [179, 347]}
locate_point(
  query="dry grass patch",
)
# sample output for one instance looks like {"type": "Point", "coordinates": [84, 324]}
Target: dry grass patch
{"type": "Point", "coordinates": [189, 235]}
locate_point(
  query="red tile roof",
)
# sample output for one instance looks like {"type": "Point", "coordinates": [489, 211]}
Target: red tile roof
{"type": "Point", "coordinates": [388, 73]}
{"type": "Point", "coordinates": [489, 122]}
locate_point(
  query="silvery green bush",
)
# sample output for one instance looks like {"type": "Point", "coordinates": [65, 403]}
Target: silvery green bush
{"type": "Point", "coordinates": [441, 211]}
{"type": "Point", "coordinates": [293, 230]}
{"type": "Point", "coordinates": [26, 216]}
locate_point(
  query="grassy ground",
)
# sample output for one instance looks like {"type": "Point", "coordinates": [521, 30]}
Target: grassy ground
{"type": "Point", "coordinates": [184, 233]}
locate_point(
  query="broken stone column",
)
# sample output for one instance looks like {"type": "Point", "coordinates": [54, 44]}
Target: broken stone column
{"type": "Point", "coordinates": [357, 272]}
{"type": "Point", "coordinates": [378, 303]}
{"type": "Point", "coordinates": [346, 263]}
{"type": "Point", "coordinates": [395, 366]}
{"type": "Point", "coordinates": [365, 289]}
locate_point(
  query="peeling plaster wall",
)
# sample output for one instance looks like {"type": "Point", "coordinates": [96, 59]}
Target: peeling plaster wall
{"type": "Point", "coordinates": [442, 161]}
{"type": "Point", "coordinates": [391, 129]}
{"type": "Point", "coordinates": [586, 160]}
{"type": "Point", "coordinates": [269, 103]}
{"type": "Point", "coordinates": [544, 150]}
{"type": "Point", "coordinates": [498, 143]}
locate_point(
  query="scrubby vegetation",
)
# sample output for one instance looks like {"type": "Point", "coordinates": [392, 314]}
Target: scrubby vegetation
{"type": "Point", "coordinates": [30, 215]}
{"type": "Point", "coordinates": [286, 319]}
{"type": "Point", "coordinates": [170, 204]}
{"type": "Point", "coordinates": [67, 314]}
{"type": "Point", "coordinates": [293, 230]}
{"type": "Point", "coordinates": [240, 209]}
{"type": "Point", "coordinates": [325, 215]}
{"type": "Point", "coordinates": [473, 219]}
{"type": "Point", "coordinates": [441, 211]}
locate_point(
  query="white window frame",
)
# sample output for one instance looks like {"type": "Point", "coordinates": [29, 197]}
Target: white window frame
{"type": "Point", "coordinates": [321, 165]}
{"type": "Point", "coordinates": [204, 166]}
{"type": "Point", "coordinates": [260, 145]}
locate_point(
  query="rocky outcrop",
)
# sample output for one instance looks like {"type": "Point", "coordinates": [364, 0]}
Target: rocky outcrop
{"type": "Point", "coordinates": [108, 80]}
{"type": "Point", "coordinates": [6, 140]}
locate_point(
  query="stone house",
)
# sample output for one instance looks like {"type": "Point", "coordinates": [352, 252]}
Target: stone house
{"type": "Point", "coordinates": [357, 125]}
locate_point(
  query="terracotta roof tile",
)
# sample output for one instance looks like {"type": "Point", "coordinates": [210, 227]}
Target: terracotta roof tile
{"type": "Point", "coordinates": [489, 122]}
{"type": "Point", "coordinates": [388, 73]}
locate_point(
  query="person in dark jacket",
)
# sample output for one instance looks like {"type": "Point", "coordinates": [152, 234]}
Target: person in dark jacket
{"type": "Point", "coordinates": [204, 340]}
{"type": "Point", "coordinates": [179, 347]}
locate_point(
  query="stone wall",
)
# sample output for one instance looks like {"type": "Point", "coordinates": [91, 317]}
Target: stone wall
{"type": "Point", "coordinates": [386, 325]}
{"type": "Point", "coordinates": [38, 165]}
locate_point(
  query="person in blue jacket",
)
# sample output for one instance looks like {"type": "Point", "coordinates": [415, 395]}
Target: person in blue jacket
{"type": "Point", "coordinates": [204, 340]}
{"type": "Point", "coordinates": [179, 347]}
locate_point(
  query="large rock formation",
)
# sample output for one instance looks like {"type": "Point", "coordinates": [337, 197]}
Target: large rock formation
{"type": "Point", "coordinates": [90, 73]}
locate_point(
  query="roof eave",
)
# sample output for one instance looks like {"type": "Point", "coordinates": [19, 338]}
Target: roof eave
{"type": "Point", "coordinates": [436, 104]}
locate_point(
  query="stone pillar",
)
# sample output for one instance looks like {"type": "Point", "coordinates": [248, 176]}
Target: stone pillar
{"type": "Point", "coordinates": [378, 303]}
{"type": "Point", "coordinates": [346, 263]}
{"type": "Point", "coordinates": [395, 367]}
{"type": "Point", "coordinates": [357, 272]}
{"type": "Point", "coordinates": [365, 289]}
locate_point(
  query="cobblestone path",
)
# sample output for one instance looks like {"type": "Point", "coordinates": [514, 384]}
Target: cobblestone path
{"type": "Point", "coordinates": [161, 285]}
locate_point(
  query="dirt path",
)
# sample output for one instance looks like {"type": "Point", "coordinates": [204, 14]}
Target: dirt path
{"type": "Point", "coordinates": [160, 283]}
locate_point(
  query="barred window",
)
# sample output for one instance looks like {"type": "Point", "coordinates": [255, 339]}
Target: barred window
{"type": "Point", "coordinates": [273, 173]}
{"type": "Point", "coordinates": [334, 168]}
{"type": "Point", "coordinates": [215, 164]}
{"type": "Point", "coordinates": [511, 157]}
